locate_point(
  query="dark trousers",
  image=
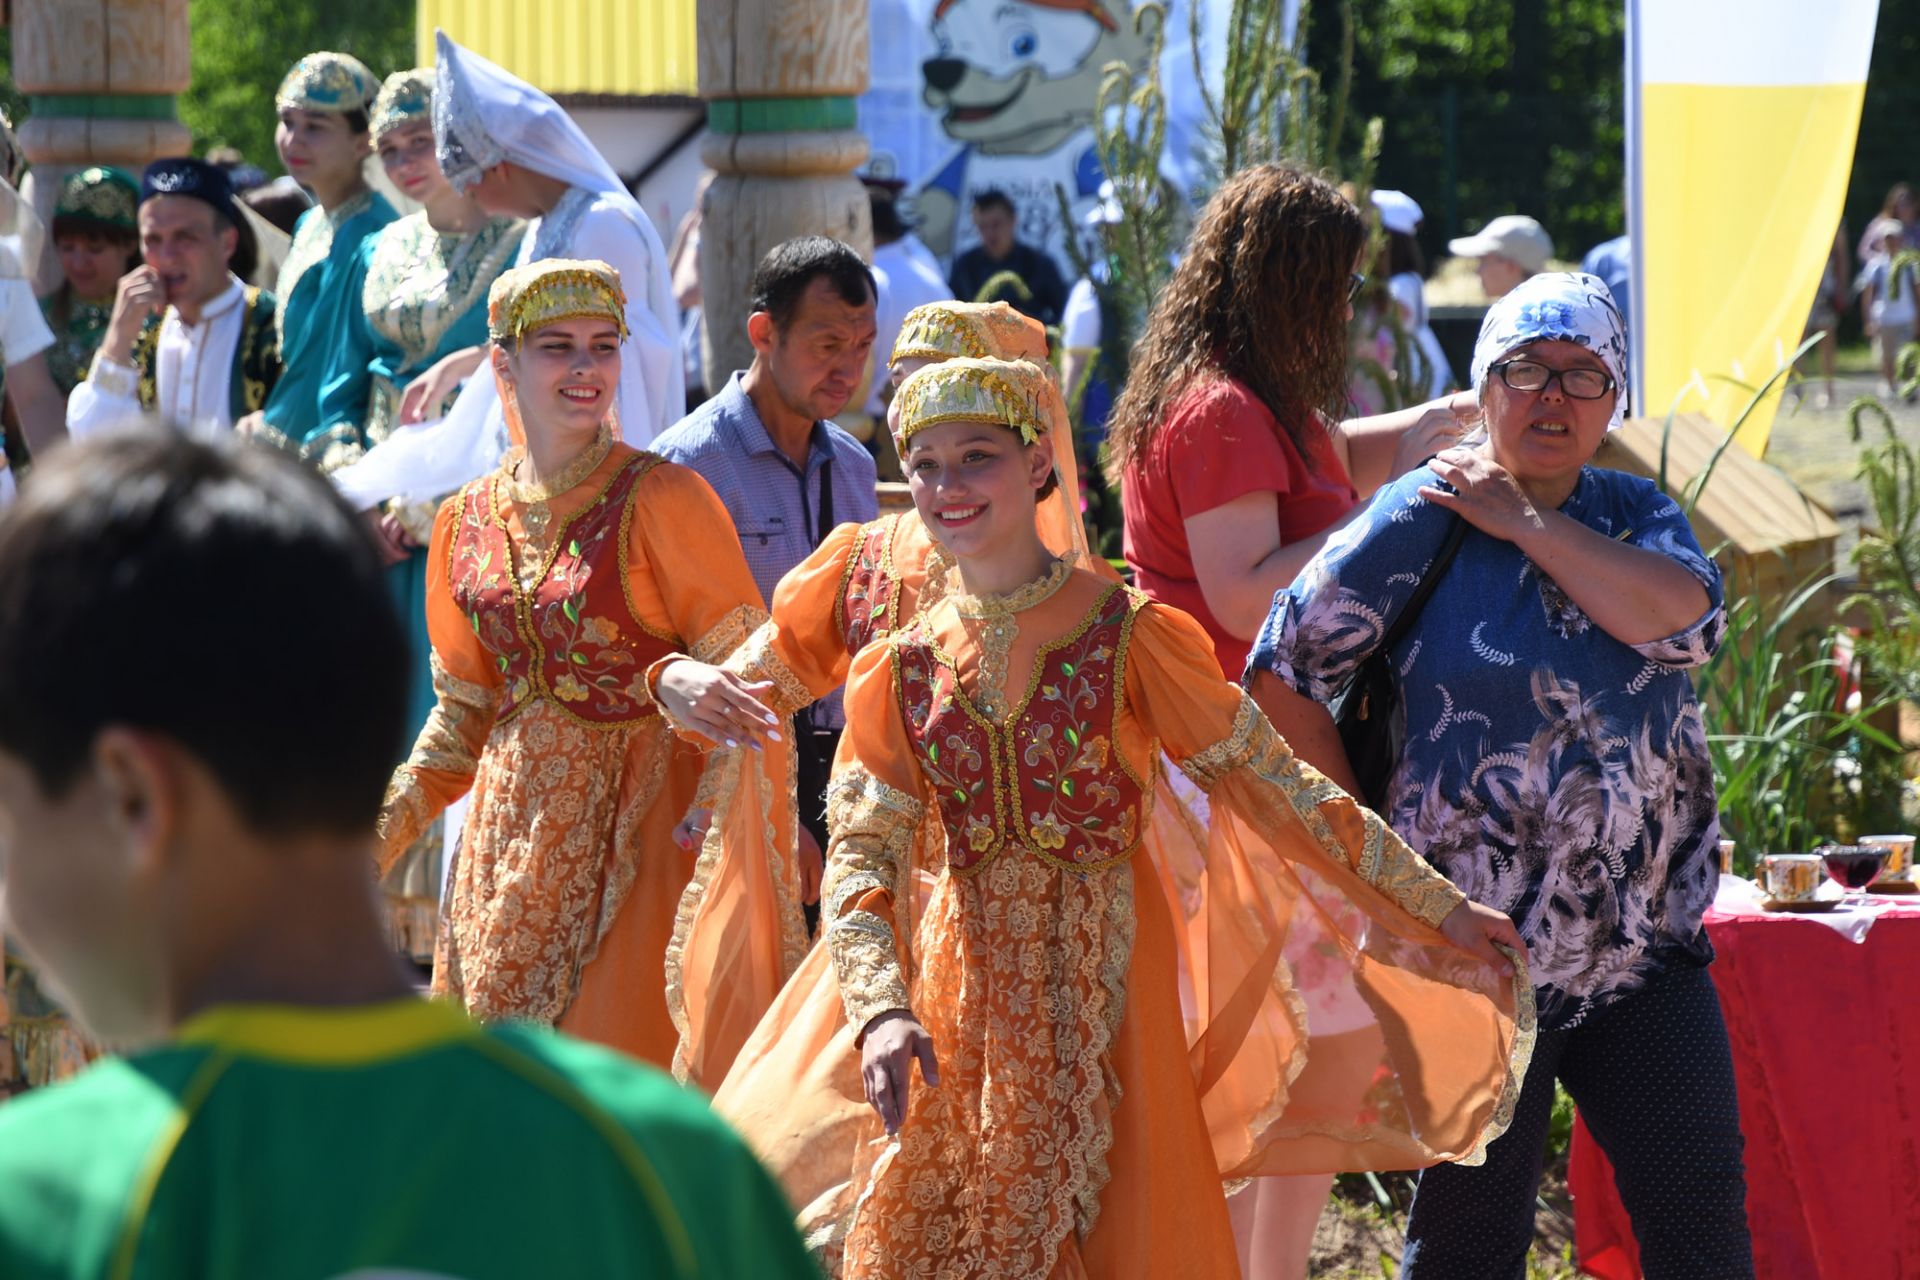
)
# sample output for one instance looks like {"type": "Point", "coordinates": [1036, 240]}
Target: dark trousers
{"type": "Point", "coordinates": [813, 751]}
{"type": "Point", "coordinates": [1653, 1078]}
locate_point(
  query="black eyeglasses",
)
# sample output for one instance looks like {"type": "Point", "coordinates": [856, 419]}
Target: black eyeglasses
{"type": "Point", "coordinates": [1355, 285]}
{"type": "Point", "coordinates": [1531, 375]}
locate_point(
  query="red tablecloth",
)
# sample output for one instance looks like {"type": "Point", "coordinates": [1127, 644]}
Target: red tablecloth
{"type": "Point", "coordinates": [1825, 1038]}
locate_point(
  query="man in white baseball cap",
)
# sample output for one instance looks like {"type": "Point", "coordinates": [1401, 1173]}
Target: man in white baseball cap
{"type": "Point", "coordinates": [1510, 248]}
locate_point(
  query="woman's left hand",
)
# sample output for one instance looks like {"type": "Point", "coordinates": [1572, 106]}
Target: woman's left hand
{"type": "Point", "coordinates": [1475, 928]}
{"type": "Point", "coordinates": [1485, 495]}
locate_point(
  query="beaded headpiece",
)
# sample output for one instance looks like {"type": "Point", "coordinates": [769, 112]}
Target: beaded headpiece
{"type": "Point", "coordinates": [405, 98]}
{"type": "Point", "coordinates": [977, 330]}
{"type": "Point", "coordinates": [101, 197]}
{"type": "Point", "coordinates": [336, 82]}
{"type": "Point", "coordinates": [1015, 394]}
{"type": "Point", "coordinates": [551, 290]}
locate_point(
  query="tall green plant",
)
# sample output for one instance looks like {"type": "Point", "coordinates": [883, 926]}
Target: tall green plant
{"type": "Point", "coordinates": [1789, 747]}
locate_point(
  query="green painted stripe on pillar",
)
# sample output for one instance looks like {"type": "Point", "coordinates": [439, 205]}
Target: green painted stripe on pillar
{"type": "Point", "coordinates": [103, 106]}
{"type": "Point", "coordinates": [781, 115]}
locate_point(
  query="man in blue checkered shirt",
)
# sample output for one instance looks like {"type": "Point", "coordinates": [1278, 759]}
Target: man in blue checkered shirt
{"type": "Point", "coordinates": [765, 443]}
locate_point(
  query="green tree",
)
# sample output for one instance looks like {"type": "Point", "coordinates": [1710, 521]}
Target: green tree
{"type": "Point", "coordinates": [242, 48]}
{"type": "Point", "coordinates": [1491, 107]}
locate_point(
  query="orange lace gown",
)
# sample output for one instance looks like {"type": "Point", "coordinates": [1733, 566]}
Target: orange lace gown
{"type": "Point", "coordinates": [546, 618]}
{"type": "Point", "coordinates": [1104, 1025]}
{"type": "Point", "coordinates": [863, 581]}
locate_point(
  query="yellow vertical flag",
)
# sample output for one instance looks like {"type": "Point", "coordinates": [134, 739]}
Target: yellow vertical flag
{"type": "Point", "coordinates": [1742, 117]}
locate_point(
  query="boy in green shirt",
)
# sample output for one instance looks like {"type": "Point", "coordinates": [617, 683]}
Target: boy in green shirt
{"type": "Point", "coordinates": [201, 690]}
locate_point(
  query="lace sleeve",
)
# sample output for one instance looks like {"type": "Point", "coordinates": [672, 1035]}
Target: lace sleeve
{"type": "Point", "coordinates": [873, 824]}
{"type": "Point", "coordinates": [445, 757]}
{"type": "Point", "coordinates": [759, 659]}
{"type": "Point", "coordinates": [1285, 789]}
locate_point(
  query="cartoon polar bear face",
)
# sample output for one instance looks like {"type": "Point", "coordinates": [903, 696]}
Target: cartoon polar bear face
{"type": "Point", "coordinates": [1021, 76]}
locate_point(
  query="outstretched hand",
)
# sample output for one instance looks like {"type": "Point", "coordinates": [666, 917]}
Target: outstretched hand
{"type": "Point", "coordinates": [1478, 929]}
{"type": "Point", "coordinates": [893, 1042]}
{"type": "Point", "coordinates": [717, 704]}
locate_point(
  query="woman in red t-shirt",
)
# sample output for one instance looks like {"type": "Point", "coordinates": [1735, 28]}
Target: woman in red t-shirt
{"type": "Point", "coordinates": [1225, 444]}
{"type": "Point", "coordinates": [1234, 465]}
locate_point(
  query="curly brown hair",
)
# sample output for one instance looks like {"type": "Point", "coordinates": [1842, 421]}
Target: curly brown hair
{"type": "Point", "coordinates": [1261, 297]}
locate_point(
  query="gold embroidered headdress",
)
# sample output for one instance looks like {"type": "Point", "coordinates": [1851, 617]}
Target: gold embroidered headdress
{"type": "Point", "coordinates": [336, 82]}
{"type": "Point", "coordinates": [551, 290]}
{"type": "Point", "coordinates": [1015, 394]}
{"type": "Point", "coordinates": [100, 197]}
{"type": "Point", "coordinates": [406, 97]}
{"type": "Point", "coordinates": [977, 330]}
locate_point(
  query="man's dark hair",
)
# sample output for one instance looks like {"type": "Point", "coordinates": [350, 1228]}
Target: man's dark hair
{"type": "Point", "coordinates": [994, 198]}
{"type": "Point", "coordinates": [220, 594]}
{"type": "Point", "coordinates": [784, 274]}
{"type": "Point", "coordinates": [888, 225]}
{"type": "Point", "coordinates": [246, 249]}
{"type": "Point", "coordinates": [282, 206]}
{"type": "Point", "coordinates": [357, 121]}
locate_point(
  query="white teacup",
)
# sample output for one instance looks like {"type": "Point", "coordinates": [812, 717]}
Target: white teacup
{"type": "Point", "coordinates": [1791, 877]}
{"type": "Point", "coordinates": [1899, 849]}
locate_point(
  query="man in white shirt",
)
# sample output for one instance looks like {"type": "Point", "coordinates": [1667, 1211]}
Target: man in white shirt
{"type": "Point", "coordinates": [188, 341]}
{"type": "Point", "coordinates": [903, 283]}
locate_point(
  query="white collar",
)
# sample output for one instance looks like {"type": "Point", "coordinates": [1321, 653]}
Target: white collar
{"type": "Point", "coordinates": [228, 299]}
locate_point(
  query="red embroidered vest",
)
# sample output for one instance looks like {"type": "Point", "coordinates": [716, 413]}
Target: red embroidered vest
{"type": "Point", "coordinates": [1051, 782]}
{"type": "Point", "coordinates": [869, 601]}
{"type": "Point", "coordinates": [574, 638]}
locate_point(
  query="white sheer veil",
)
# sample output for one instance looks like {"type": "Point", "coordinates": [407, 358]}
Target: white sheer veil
{"type": "Point", "coordinates": [483, 115]}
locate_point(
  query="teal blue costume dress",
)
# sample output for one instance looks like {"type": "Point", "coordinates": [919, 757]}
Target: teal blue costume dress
{"type": "Point", "coordinates": [422, 295]}
{"type": "Point", "coordinates": [318, 303]}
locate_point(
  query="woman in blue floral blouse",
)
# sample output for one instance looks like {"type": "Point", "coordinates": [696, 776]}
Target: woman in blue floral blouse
{"type": "Point", "coordinates": [1555, 767]}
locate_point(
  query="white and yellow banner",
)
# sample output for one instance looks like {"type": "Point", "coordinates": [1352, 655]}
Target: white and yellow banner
{"type": "Point", "coordinates": [1742, 116]}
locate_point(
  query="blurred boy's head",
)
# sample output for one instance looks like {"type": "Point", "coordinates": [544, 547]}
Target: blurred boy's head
{"type": "Point", "coordinates": [202, 687]}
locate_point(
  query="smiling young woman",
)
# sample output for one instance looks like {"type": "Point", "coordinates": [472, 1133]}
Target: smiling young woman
{"type": "Point", "coordinates": [556, 586]}
{"type": "Point", "coordinates": [422, 287]}
{"type": "Point", "coordinates": [1101, 1054]}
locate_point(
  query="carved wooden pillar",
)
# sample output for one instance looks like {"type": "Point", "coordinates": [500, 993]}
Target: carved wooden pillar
{"type": "Point", "coordinates": [780, 78]}
{"type": "Point", "coordinates": [100, 78]}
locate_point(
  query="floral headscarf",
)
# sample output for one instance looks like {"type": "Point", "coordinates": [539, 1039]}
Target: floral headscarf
{"type": "Point", "coordinates": [1557, 306]}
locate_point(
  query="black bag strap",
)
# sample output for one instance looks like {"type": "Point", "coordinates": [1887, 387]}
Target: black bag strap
{"type": "Point", "coordinates": [1431, 579]}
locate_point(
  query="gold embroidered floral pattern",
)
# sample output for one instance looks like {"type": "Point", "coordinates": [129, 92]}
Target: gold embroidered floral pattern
{"type": "Point", "coordinates": [756, 660]}
{"type": "Point", "coordinates": [552, 848]}
{"type": "Point", "coordinates": [1022, 987]}
{"type": "Point", "coordinates": [991, 622]}
{"type": "Point", "coordinates": [873, 828]}
{"type": "Point", "coordinates": [869, 602]}
{"type": "Point", "coordinates": [450, 742]}
{"type": "Point", "coordinates": [559, 624]}
{"type": "Point", "coordinates": [1047, 779]}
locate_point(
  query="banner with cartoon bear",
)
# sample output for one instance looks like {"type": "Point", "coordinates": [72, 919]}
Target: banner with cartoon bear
{"type": "Point", "coordinates": [968, 95]}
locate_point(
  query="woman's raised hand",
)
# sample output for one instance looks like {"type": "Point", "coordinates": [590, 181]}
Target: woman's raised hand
{"type": "Point", "coordinates": [717, 704]}
{"type": "Point", "coordinates": [1485, 494]}
{"type": "Point", "coordinates": [892, 1042]}
{"type": "Point", "coordinates": [1440, 427]}
{"type": "Point", "coordinates": [426, 393]}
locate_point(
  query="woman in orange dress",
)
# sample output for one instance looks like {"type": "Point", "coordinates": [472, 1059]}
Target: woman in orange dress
{"type": "Point", "coordinates": [863, 581]}
{"type": "Point", "coordinates": [549, 600]}
{"type": "Point", "coordinates": [1072, 1065]}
